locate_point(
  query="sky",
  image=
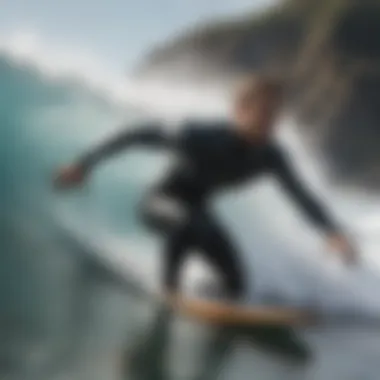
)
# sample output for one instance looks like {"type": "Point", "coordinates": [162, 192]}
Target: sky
{"type": "Point", "coordinates": [120, 31]}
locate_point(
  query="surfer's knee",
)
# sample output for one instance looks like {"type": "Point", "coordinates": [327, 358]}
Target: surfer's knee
{"type": "Point", "coordinates": [234, 286]}
{"type": "Point", "coordinates": [233, 275]}
{"type": "Point", "coordinates": [238, 288]}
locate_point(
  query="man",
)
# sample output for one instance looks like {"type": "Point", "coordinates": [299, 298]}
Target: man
{"type": "Point", "coordinates": [213, 157]}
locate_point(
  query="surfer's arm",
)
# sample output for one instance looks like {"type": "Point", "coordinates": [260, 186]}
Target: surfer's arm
{"type": "Point", "coordinates": [336, 239]}
{"type": "Point", "coordinates": [301, 195]}
{"type": "Point", "coordinates": [148, 135]}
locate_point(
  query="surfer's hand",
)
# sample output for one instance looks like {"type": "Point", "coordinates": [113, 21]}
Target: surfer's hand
{"type": "Point", "coordinates": [341, 244]}
{"type": "Point", "coordinates": [70, 176]}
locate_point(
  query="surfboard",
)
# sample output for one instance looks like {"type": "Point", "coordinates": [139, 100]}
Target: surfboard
{"type": "Point", "coordinates": [202, 310]}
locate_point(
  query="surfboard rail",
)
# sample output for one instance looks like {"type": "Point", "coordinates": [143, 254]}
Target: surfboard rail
{"type": "Point", "coordinates": [219, 313]}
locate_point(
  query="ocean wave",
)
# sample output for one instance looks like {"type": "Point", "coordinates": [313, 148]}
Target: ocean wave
{"type": "Point", "coordinates": [55, 104]}
{"type": "Point", "coordinates": [25, 48]}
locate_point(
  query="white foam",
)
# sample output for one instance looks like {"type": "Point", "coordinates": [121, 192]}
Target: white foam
{"type": "Point", "coordinates": [59, 62]}
{"type": "Point", "coordinates": [28, 48]}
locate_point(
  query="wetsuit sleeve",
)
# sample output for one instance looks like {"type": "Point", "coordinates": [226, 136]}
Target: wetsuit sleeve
{"type": "Point", "coordinates": [153, 135]}
{"type": "Point", "coordinates": [300, 194]}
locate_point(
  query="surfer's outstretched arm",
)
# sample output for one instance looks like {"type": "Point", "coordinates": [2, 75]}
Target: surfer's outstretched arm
{"type": "Point", "coordinates": [153, 135]}
{"type": "Point", "coordinates": [312, 207]}
{"type": "Point", "coordinates": [148, 135]}
{"type": "Point", "coordinates": [304, 198]}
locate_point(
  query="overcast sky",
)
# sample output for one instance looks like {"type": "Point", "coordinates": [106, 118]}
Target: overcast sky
{"type": "Point", "coordinates": [119, 30]}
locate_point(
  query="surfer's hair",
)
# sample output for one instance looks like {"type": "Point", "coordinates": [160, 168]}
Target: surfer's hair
{"type": "Point", "coordinates": [255, 84]}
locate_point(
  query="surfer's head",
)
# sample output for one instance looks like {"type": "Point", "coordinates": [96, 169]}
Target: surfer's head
{"type": "Point", "coordinates": [257, 103]}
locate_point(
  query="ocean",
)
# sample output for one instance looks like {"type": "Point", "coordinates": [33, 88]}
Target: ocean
{"type": "Point", "coordinates": [61, 319]}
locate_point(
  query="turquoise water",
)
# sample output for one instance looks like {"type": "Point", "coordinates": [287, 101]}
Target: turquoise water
{"type": "Point", "coordinates": [59, 319]}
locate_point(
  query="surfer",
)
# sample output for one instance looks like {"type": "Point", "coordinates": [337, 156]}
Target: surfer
{"type": "Point", "coordinates": [214, 156]}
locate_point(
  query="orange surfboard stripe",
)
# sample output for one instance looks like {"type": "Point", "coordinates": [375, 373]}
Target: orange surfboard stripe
{"type": "Point", "coordinates": [229, 314]}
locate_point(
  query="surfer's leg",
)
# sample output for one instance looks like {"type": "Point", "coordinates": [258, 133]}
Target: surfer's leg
{"type": "Point", "coordinates": [177, 246]}
{"type": "Point", "coordinates": [168, 218]}
{"type": "Point", "coordinates": [215, 245]}
{"type": "Point", "coordinates": [171, 219]}
{"type": "Point", "coordinates": [216, 353]}
{"type": "Point", "coordinates": [203, 233]}
{"type": "Point", "coordinates": [145, 359]}
{"type": "Point", "coordinates": [190, 226]}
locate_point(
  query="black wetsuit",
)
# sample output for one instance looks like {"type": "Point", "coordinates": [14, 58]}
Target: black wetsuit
{"type": "Point", "coordinates": [212, 157]}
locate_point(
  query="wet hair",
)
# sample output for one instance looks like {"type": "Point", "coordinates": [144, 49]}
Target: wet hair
{"type": "Point", "coordinates": [252, 85]}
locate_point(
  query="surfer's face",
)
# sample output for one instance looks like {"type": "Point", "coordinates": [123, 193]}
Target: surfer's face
{"type": "Point", "coordinates": [256, 107]}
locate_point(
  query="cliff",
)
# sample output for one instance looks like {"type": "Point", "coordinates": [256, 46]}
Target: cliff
{"type": "Point", "coordinates": [329, 50]}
